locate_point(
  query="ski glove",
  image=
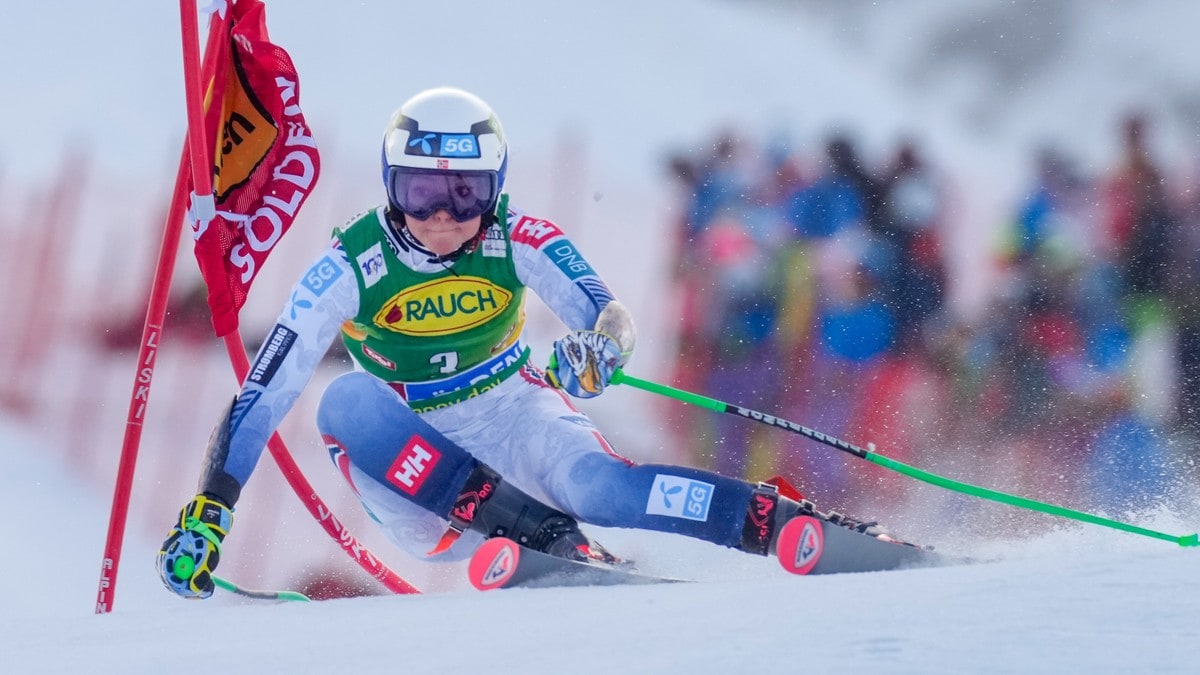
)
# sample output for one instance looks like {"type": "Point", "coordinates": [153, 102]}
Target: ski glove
{"type": "Point", "coordinates": [192, 549]}
{"type": "Point", "coordinates": [583, 362]}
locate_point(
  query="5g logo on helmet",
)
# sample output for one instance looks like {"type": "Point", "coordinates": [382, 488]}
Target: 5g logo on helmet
{"type": "Point", "coordinates": [436, 144]}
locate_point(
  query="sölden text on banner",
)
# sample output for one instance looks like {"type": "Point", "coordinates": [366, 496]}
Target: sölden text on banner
{"type": "Point", "coordinates": [265, 162]}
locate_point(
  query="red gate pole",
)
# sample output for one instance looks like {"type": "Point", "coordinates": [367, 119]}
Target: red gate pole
{"type": "Point", "coordinates": [312, 501]}
{"type": "Point", "coordinates": [196, 154]}
{"type": "Point", "coordinates": [155, 312]}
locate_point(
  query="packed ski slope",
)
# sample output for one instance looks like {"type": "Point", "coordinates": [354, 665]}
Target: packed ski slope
{"type": "Point", "coordinates": [1078, 600]}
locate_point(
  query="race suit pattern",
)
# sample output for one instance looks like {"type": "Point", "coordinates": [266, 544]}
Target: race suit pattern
{"type": "Point", "coordinates": [327, 295]}
{"type": "Point", "coordinates": [521, 427]}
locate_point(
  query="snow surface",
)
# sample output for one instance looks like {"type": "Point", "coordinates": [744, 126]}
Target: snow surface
{"type": "Point", "coordinates": [1077, 601]}
{"type": "Point", "coordinates": [593, 96]}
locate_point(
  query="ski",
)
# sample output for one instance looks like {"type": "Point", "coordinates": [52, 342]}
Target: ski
{"type": "Point", "coordinates": [810, 545]}
{"type": "Point", "coordinates": [503, 563]}
{"type": "Point", "coordinates": [259, 595]}
{"type": "Point", "coordinates": [807, 545]}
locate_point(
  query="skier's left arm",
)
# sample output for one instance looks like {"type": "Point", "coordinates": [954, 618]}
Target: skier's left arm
{"type": "Point", "coordinates": [602, 333]}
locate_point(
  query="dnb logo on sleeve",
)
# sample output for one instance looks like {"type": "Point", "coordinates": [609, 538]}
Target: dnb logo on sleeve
{"type": "Point", "coordinates": [679, 498]}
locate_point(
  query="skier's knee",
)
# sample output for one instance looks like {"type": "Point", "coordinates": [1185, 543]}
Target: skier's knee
{"type": "Point", "coordinates": [603, 490]}
{"type": "Point", "coordinates": [343, 402]}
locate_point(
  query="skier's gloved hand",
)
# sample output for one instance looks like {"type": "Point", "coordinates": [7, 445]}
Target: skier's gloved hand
{"type": "Point", "coordinates": [191, 551]}
{"type": "Point", "coordinates": [583, 362]}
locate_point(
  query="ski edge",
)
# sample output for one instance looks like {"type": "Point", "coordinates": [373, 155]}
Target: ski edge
{"type": "Point", "coordinates": [809, 545]}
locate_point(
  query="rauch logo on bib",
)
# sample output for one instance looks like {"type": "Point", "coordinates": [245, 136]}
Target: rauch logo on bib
{"type": "Point", "coordinates": [443, 306]}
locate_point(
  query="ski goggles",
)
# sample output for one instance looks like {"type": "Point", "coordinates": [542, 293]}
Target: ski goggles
{"type": "Point", "coordinates": [422, 192]}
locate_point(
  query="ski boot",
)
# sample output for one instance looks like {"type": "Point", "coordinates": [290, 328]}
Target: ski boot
{"type": "Point", "coordinates": [495, 508]}
{"type": "Point", "coordinates": [773, 503]}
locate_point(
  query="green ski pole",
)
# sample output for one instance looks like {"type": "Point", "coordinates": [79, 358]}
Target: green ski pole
{"type": "Point", "coordinates": [619, 377]}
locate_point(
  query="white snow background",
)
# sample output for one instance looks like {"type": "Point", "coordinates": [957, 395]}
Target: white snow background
{"type": "Point", "coordinates": [622, 83]}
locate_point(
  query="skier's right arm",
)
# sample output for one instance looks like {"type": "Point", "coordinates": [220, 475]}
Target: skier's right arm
{"type": "Point", "coordinates": [324, 297]}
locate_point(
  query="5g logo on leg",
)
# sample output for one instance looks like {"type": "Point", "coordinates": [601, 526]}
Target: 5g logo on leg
{"type": "Point", "coordinates": [679, 497]}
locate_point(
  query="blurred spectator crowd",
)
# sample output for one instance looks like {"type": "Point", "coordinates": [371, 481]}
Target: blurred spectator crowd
{"type": "Point", "coordinates": [817, 288]}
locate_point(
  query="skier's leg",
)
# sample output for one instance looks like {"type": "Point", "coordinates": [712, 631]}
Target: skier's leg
{"type": "Point", "coordinates": [603, 490]}
{"type": "Point", "coordinates": [409, 526]}
{"type": "Point", "coordinates": [575, 467]}
{"type": "Point", "coordinates": [600, 489]}
{"type": "Point", "coordinates": [400, 466]}
{"type": "Point", "coordinates": [386, 441]}
{"type": "Point", "coordinates": [585, 478]}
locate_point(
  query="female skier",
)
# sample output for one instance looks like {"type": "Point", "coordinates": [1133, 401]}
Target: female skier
{"type": "Point", "coordinates": [445, 431]}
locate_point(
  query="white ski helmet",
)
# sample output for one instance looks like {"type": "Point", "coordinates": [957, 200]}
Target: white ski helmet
{"type": "Point", "coordinates": [451, 137]}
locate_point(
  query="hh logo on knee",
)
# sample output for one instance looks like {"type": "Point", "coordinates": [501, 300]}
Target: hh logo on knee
{"type": "Point", "coordinates": [679, 498]}
{"type": "Point", "coordinates": [413, 465]}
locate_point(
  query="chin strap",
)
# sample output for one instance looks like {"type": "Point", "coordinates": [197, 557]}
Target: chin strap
{"type": "Point", "coordinates": [396, 219]}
